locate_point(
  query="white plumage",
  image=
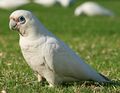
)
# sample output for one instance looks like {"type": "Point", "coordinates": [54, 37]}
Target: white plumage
{"type": "Point", "coordinates": [46, 3]}
{"type": "Point", "coordinates": [65, 3]}
{"type": "Point", "coordinates": [47, 55]}
{"type": "Point", "coordinates": [10, 4]}
{"type": "Point", "coordinates": [92, 9]}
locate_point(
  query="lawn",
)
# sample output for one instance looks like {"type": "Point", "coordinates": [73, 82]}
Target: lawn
{"type": "Point", "coordinates": [95, 39]}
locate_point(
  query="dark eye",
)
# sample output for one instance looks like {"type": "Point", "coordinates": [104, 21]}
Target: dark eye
{"type": "Point", "coordinates": [21, 19]}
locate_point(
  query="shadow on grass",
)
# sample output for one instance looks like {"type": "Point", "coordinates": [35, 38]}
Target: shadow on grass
{"type": "Point", "coordinates": [80, 83]}
{"type": "Point", "coordinates": [92, 83]}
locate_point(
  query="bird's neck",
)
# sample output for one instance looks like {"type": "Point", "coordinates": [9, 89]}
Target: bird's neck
{"type": "Point", "coordinates": [35, 32]}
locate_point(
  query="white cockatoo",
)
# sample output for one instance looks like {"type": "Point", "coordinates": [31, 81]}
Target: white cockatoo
{"type": "Point", "coordinates": [65, 3]}
{"type": "Point", "coordinates": [46, 3]}
{"type": "Point", "coordinates": [92, 9]}
{"type": "Point", "coordinates": [47, 55]}
{"type": "Point", "coordinates": [10, 4]}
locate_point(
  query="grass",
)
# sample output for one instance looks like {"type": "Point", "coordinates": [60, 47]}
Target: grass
{"type": "Point", "coordinates": [95, 39]}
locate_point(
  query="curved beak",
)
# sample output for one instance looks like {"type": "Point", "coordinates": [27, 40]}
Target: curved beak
{"type": "Point", "coordinates": [13, 25]}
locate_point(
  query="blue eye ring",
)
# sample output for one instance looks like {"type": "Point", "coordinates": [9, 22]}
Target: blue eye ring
{"type": "Point", "coordinates": [21, 19]}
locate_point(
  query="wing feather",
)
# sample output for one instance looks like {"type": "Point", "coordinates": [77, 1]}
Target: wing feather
{"type": "Point", "coordinates": [61, 59]}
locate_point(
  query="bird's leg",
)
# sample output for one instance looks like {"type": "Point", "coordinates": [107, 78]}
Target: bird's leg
{"type": "Point", "coordinates": [51, 85]}
{"type": "Point", "coordinates": [40, 78]}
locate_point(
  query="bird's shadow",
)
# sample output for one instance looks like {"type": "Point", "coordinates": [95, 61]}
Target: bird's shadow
{"type": "Point", "coordinates": [87, 84]}
{"type": "Point", "coordinates": [92, 83]}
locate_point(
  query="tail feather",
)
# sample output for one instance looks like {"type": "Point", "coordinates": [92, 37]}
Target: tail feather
{"type": "Point", "coordinates": [107, 79]}
{"type": "Point", "coordinates": [109, 82]}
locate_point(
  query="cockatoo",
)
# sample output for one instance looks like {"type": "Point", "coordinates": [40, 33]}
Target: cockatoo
{"type": "Point", "coordinates": [47, 55]}
{"type": "Point", "coordinates": [65, 3]}
{"type": "Point", "coordinates": [46, 3]}
{"type": "Point", "coordinates": [10, 4]}
{"type": "Point", "coordinates": [92, 9]}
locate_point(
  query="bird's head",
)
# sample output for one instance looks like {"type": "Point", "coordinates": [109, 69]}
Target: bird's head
{"type": "Point", "coordinates": [20, 20]}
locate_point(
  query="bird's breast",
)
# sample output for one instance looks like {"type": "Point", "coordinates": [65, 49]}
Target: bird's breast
{"type": "Point", "coordinates": [33, 54]}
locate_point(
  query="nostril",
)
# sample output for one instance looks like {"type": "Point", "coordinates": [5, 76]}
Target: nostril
{"type": "Point", "coordinates": [14, 19]}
